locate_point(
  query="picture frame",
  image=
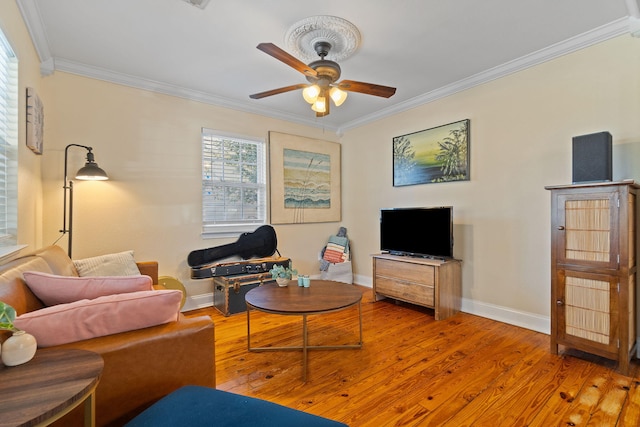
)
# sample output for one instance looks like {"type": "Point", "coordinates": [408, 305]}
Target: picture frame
{"type": "Point", "coordinates": [35, 122]}
{"type": "Point", "coordinates": [304, 179]}
{"type": "Point", "coordinates": [439, 154]}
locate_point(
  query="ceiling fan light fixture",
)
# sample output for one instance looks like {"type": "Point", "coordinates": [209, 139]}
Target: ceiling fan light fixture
{"type": "Point", "coordinates": [323, 76]}
{"type": "Point", "coordinates": [338, 96]}
{"type": "Point", "coordinates": [310, 93]}
{"type": "Point", "coordinates": [320, 106]}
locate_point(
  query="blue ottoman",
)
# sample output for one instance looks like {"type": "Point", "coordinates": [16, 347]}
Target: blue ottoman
{"type": "Point", "coordinates": [196, 406]}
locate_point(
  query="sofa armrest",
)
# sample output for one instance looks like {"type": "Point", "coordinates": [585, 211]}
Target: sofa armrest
{"type": "Point", "coordinates": [149, 268]}
{"type": "Point", "coordinates": [144, 365]}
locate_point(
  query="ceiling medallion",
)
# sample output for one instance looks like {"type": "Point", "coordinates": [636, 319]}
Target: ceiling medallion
{"type": "Point", "coordinates": [302, 36]}
{"type": "Point", "coordinates": [198, 3]}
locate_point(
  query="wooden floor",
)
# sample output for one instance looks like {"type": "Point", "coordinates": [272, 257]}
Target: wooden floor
{"type": "Point", "coordinates": [414, 371]}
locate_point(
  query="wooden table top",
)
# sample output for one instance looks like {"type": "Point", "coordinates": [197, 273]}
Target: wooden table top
{"type": "Point", "coordinates": [320, 297]}
{"type": "Point", "coordinates": [54, 380]}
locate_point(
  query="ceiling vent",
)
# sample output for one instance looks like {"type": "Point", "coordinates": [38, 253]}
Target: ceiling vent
{"type": "Point", "coordinates": [198, 3]}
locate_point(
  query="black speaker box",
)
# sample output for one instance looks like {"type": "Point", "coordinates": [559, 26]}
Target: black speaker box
{"type": "Point", "coordinates": [592, 158]}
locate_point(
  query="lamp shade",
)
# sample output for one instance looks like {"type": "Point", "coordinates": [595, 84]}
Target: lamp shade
{"type": "Point", "coordinates": [91, 172]}
{"type": "Point", "coordinates": [338, 96]}
{"type": "Point", "coordinates": [310, 93]}
{"type": "Point", "coordinates": [320, 105]}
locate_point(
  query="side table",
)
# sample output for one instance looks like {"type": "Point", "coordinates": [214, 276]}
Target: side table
{"type": "Point", "coordinates": [49, 386]}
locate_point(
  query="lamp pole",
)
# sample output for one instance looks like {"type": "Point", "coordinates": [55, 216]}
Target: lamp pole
{"type": "Point", "coordinates": [90, 171]}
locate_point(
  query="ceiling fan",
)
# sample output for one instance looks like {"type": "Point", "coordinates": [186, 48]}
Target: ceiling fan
{"type": "Point", "coordinates": [322, 76]}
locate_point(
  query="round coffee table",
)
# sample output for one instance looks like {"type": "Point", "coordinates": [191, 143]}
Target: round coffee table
{"type": "Point", "coordinates": [323, 296]}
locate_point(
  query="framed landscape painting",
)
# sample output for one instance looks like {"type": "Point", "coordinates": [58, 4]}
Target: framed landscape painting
{"type": "Point", "coordinates": [305, 179]}
{"type": "Point", "coordinates": [439, 154]}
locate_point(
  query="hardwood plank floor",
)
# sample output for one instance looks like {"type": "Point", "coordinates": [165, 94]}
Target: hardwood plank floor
{"type": "Point", "coordinates": [414, 371]}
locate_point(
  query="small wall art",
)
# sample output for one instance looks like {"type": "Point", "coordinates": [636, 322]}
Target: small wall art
{"type": "Point", "coordinates": [35, 122]}
{"type": "Point", "coordinates": [304, 179]}
{"type": "Point", "coordinates": [439, 154]}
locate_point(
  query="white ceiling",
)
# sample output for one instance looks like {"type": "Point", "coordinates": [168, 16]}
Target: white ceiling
{"type": "Point", "coordinates": [425, 48]}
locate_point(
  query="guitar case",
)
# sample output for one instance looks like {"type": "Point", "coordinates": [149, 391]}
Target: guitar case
{"type": "Point", "coordinates": [260, 243]}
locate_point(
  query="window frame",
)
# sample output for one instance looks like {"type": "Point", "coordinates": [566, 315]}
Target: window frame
{"type": "Point", "coordinates": [8, 147]}
{"type": "Point", "coordinates": [213, 229]}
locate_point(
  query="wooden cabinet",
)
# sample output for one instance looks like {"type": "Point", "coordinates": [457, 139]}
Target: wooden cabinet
{"type": "Point", "coordinates": [431, 283]}
{"type": "Point", "coordinates": [593, 269]}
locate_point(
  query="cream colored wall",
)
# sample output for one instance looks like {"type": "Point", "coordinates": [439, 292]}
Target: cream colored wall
{"type": "Point", "coordinates": [521, 130]}
{"type": "Point", "coordinates": [29, 177]}
{"type": "Point", "coordinates": [150, 146]}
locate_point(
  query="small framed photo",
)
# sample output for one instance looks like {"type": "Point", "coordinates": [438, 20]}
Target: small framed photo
{"type": "Point", "coordinates": [35, 121]}
{"type": "Point", "coordinates": [439, 154]}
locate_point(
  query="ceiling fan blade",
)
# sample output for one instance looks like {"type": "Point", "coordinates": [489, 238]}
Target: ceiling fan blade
{"type": "Point", "coordinates": [368, 88]}
{"type": "Point", "coordinates": [273, 50]}
{"type": "Point", "coordinates": [277, 91]}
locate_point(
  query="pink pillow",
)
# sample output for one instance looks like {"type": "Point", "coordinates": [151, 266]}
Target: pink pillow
{"type": "Point", "coordinates": [52, 289]}
{"type": "Point", "coordinates": [106, 315]}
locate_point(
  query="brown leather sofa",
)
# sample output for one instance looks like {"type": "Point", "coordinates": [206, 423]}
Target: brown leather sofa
{"type": "Point", "coordinates": [140, 366]}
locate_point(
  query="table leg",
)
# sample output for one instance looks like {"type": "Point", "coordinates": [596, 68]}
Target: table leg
{"type": "Point", "coordinates": [248, 329]}
{"type": "Point", "coordinates": [90, 410]}
{"type": "Point", "coordinates": [360, 318]}
{"type": "Point", "coordinates": [304, 347]}
{"type": "Point", "coordinates": [305, 340]}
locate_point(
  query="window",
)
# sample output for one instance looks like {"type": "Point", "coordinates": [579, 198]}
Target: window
{"type": "Point", "coordinates": [233, 184]}
{"type": "Point", "coordinates": [8, 144]}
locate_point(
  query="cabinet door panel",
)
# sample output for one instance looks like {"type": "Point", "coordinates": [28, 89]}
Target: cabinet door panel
{"type": "Point", "coordinates": [587, 310]}
{"type": "Point", "coordinates": [587, 229]}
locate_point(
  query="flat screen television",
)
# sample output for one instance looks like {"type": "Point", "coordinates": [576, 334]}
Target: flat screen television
{"type": "Point", "coordinates": [424, 232]}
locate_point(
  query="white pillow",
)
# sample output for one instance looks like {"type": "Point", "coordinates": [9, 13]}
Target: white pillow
{"type": "Point", "coordinates": [119, 264]}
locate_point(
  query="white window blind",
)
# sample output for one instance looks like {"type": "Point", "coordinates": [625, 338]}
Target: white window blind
{"type": "Point", "coordinates": [8, 143]}
{"type": "Point", "coordinates": [233, 183]}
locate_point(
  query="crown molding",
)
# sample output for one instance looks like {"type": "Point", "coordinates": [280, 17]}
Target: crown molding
{"type": "Point", "coordinates": [633, 7]}
{"type": "Point", "coordinates": [581, 41]}
{"type": "Point", "coordinates": [31, 17]}
{"type": "Point", "coordinates": [84, 70]}
{"type": "Point", "coordinates": [634, 26]}
{"type": "Point", "coordinates": [49, 64]}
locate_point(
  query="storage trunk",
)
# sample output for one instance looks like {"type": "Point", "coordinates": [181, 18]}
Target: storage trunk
{"type": "Point", "coordinates": [229, 291]}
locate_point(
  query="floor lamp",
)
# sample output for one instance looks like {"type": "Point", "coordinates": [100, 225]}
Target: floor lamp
{"type": "Point", "coordinates": [89, 172]}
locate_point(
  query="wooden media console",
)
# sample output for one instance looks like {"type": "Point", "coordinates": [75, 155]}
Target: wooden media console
{"type": "Point", "coordinates": [427, 282]}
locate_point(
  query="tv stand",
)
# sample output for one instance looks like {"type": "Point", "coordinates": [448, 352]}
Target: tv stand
{"type": "Point", "coordinates": [422, 281]}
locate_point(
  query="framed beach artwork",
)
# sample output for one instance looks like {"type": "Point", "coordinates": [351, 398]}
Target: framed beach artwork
{"type": "Point", "coordinates": [439, 154]}
{"type": "Point", "coordinates": [305, 179]}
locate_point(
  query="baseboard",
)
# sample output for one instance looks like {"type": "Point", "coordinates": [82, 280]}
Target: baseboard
{"type": "Point", "coordinates": [524, 319]}
{"type": "Point", "coordinates": [195, 302]}
{"type": "Point", "coordinates": [361, 280]}
{"type": "Point", "coordinates": [508, 315]}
